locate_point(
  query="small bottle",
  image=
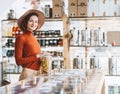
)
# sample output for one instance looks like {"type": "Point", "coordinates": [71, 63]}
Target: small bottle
{"type": "Point", "coordinates": [53, 33]}
{"type": "Point", "coordinates": [17, 31]}
{"type": "Point", "coordinates": [9, 31]}
{"type": "Point", "coordinates": [43, 42]}
{"type": "Point", "coordinates": [50, 33]}
{"type": "Point", "coordinates": [50, 42]}
{"type": "Point", "coordinates": [46, 33]}
{"type": "Point", "coordinates": [54, 42]}
{"type": "Point", "coordinates": [46, 42]}
{"type": "Point", "coordinates": [13, 31]}
{"type": "Point", "coordinates": [42, 34]}
{"type": "Point", "coordinates": [113, 43]}
{"type": "Point", "coordinates": [60, 42]}
{"type": "Point", "coordinates": [57, 33]}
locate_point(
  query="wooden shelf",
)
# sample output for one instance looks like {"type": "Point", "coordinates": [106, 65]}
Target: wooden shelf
{"type": "Point", "coordinates": [53, 19]}
{"type": "Point", "coordinates": [46, 19]}
{"type": "Point", "coordinates": [51, 37]}
{"type": "Point", "coordinates": [10, 20]}
{"type": "Point", "coordinates": [8, 37]}
{"type": "Point", "coordinates": [77, 18]}
{"type": "Point", "coordinates": [12, 72]}
{"type": "Point", "coordinates": [94, 18]}
{"type": "Point", "coordinates": [86, 46]}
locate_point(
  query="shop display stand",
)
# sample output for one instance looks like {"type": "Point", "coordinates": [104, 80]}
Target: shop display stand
{"type": "Point", "coordinates": [8, 42]}
{"type": "Point", "coordinates": [88, 22]}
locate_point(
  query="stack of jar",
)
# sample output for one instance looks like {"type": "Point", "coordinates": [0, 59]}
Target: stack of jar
{"type": "Point", "coordinates": [51, 42]}
{"type": "Point", "coordinates": [10, 43]}
{"type": "Point", "coordinates": [48, 33]}
{"type": "Point", "coordinates": [16, 31]}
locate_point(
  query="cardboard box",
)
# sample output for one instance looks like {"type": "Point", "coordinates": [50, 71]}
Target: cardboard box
{"type": "Point", "coordinates": [82, 2]}
{"type": "Point", "coordinates": [72, 8]}
{"type": "Point", "coordinates": [72, 3]}
{"type": "Point", "coordinates": [113, 36]}
{"type": "Point", "coordinates": [72, 11]}
{"type": "Point", "coordinates": [57, 3]}
{"type": "Point", "coordinates": [82, 11]}
{"type": "Point", "coordinates": [82, 8]}
{"type": "Point", "coordinates": [48, 11]}
{"type": "Point", "coordinates": [57, 12]}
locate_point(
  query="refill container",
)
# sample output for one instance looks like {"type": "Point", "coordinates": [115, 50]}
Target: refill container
{"type": "Point", "coordinates": [113, 43]}
{"type": "Point", "coordinates": [48, 11]}
{"type": "Point", "coordinates": [65, 7]}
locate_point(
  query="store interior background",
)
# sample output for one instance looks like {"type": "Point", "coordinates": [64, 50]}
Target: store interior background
{"type": "Point", "coordinates": [109, 24]}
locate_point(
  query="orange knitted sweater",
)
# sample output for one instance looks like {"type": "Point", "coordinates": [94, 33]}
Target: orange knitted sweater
{"type": "Point", "coordinates": [26, 48]}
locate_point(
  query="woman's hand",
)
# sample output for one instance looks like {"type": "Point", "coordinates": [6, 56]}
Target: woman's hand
{"type": "Point", "coordinates": [44, 54]}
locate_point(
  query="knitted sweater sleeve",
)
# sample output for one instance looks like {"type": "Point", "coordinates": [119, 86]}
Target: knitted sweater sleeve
{"type": "Point", "coordinates": [20, 60]}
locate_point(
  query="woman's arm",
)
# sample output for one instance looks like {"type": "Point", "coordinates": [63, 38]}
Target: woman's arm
{"type": "Point", "coordinates": [20, 60]}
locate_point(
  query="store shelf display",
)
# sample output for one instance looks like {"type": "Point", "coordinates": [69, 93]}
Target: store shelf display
{"type": "Point", "coordinates": [51, 38]}
{"type": "Point", "coordinates": [59, 81]}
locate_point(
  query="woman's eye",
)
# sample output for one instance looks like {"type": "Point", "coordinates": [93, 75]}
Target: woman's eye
{"type": "Point", "coordinates": [30, 21]}
{"type": "Point", "coordinates": [36, 21]}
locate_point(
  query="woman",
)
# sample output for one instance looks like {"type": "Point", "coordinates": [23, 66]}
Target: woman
{"type": "Point", "coordinates": [27, 49]}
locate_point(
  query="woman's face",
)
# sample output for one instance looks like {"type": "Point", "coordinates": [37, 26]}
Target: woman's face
{"type": "Point", "coordinates": [32, 23]}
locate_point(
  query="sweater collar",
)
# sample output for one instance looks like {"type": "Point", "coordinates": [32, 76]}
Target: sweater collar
{"type": "Point", "coordinates": [28, 32]}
